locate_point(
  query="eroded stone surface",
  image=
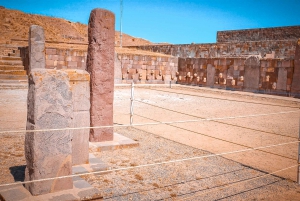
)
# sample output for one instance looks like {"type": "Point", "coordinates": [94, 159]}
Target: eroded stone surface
{"type": "Point", "coordinates": [210, 75]}
{"type": "Point", "coordinates": [36, 47]}
{"type": "Point", "coordinates": [100, 65]}
{"type": "Point", "coordinates": [252, 65]}
{"type": "Point", "coordinates": [296, 76]}
{"type": "Point", "coordinates": [80, 87]}
{"type": "Point", "coordinates": [48, 153]}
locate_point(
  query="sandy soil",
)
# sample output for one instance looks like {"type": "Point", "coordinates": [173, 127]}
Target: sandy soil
{"type": "Point", "coordinates": [226, 177]}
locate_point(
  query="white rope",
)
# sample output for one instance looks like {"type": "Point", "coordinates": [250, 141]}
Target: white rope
{"type": "Point", "coordinates": [151, 123]}
{"type": "Point", "coordinates": [238, 182]}
{"type": "Point", "coordinates": [148, 165]}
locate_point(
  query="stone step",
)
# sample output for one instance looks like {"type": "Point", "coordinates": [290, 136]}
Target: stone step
{"type": "Point", "coordinates": [10, 62]}
{"type": "Point", "coordinates": [10, 58]}
{"type": "Point", "coordinates": [11, 67]}
{"type": "Point", "coordinates": [7, 78]}
{"type": "Point", "coordinates": [12, 72]}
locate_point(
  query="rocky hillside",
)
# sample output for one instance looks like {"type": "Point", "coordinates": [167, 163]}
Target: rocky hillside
{"type": "Point", "coordinates": [14, 26]}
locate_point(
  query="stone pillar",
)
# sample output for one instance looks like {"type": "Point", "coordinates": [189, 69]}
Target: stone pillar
{"type": "Point", "coordinates": [251, 78]}
{"type": "Point", "coordinates": [211, 71]}
{"type": "Point", "coordinates": [295, 88]}
{"type": "Point", "coordinates": [100, 65]}
{"type": "Point", "coordinates": [80, 87]}
{"type": "Point", "coordinates": [49, 153]}
{"type": "Point", "coordinates": [36, 47]}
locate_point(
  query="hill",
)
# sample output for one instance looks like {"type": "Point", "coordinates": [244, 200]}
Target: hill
{"type": "Point", "coordinates": [14, 26]}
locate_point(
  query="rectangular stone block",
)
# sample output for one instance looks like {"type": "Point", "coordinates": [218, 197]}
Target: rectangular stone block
{"type": "Point", "coordinates": [49, 153]}
{"type": "Point", "coordinates": [282, 79]}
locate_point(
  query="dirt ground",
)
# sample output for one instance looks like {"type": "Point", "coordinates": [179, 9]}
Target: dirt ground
{"type": "Point", "coordinates": [230, 176]}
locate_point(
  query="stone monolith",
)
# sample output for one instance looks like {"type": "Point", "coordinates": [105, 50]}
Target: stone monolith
{"type": "Point", "coordinates": [80, 87]}
{"type": "Point", "coordinates": [251, 78]}
{"type": "Point", "coordinates": [36, 47]}
{"type": "Point", "coordinates": [48, 153]}
{"type": "Point", "coordinates": [100, 65]}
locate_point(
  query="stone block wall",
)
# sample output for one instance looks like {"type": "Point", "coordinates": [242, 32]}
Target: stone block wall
{"type": "Point", "coordinates": [279, 49]}
{"type": "Point", "coordinates": [263, 34]}
{"type": "Point", "coordinates": [65, 58]}
{"type": "Point", "coordinates": [146, 69]}
{"type": "Point", "coordinates": [231, 73]}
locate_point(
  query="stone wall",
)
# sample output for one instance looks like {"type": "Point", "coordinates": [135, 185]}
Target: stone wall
{"type": "Point", "coordinates": [138, 66]}
{"type": "Point", "coordinates": [146, 69]}
{"type": "Point", "coordinates": [264, 34]}
{"type": "Point", "coordinates": [231, 73]}
{"type": "Point", "coordinates": [275, 49]}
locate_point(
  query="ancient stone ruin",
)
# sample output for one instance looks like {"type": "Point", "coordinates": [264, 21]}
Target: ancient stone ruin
{"type": "Point", "coordinates": [48, 153]}
{"type": "Point", "coordinates": [100, 65]}
{"type": "Point", "coordinates": [60, 99]}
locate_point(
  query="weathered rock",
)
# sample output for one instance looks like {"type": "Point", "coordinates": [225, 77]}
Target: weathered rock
{"type": "Point", "coordinates": [100, 65]}
{"type": "Point", "coordinates": [36, 47]}
{"type": "Point", "coordinates": [211, 71]}
{"type": "Point", "coordinates": [48, 153]}
{"type": "Point", "coordinates": [252, 65]}
{"type": "Point", "coordinates": [282, 79]}
{"type": "Point", "coordinates": [80, 87]}
{"type": "Point", "coordinates": [295, 89]}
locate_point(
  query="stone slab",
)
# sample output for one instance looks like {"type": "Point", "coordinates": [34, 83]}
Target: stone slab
{"type": "Point", "coordinates": [80, 88]}
{"type": "Point", "coordinates": [48, 153]}
{"type": "Point", "coordinates": [251, 77]}
{"type": "Point", "coordinates": [282, 79]}
{"type": "Point", "coordinates": [81, 190]}
{"type": "Point", "coordinates": [100, 65]}
{"type": "Point", "coordinates": [211, 71]}
{"type": "Point", "coordinates": [119, 142]}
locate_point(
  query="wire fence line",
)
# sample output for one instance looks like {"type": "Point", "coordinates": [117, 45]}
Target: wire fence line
{"type": "Point", "coordinates": [238, 182]}
{"type": "Point", "coordinates": [140, 101]}
{"type": "Point", "coordinates": [220, 139]}
{"type": "Point", "coordinates": [150, 123]}
{"type": "Point", "coordinates": [220, 98]}
{"type": "Point", "coordinates": [151, 164]}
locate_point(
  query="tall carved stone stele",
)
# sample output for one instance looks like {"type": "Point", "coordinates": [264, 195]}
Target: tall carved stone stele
{"type": "Point", "coordinates": [48, 153]}
{"type": "Point", "coordinates": [100, 65]}
{"type": "Point", "coordinates": [251, 78]}
{"type": "Point", "coordinates": [295, 88]}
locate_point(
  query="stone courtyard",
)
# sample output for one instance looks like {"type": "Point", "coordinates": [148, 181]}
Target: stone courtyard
{"type": "Point", "coordinates": [210, 121]}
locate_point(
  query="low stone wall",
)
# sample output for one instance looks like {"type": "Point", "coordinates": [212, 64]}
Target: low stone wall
{"type": "Point", "coordinates": [231, 73]}
{"type": "Point", "coordinates": [146, 69]}
{"type": "Point", "coordinates": [279, 49]}
{"type": "Point", "coordinates": [275, 33]}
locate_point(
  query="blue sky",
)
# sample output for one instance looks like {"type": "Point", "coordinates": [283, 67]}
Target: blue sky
{"type": "Point", "coordinates": [173, 21]}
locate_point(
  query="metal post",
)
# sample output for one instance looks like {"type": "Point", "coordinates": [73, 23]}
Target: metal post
{"type": "Point", "coordinates": [298, 168]}
{"type": "Point", "coordinates": [170, 84]}
{"type": "Point", "coordinates": [131, 103]}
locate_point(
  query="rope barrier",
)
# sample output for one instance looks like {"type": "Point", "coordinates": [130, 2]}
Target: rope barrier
{"type": "Point", "coordinates": [220, 139]}
{"type": "Point", "coordinates": [238, 182]}
{"type": "Point", "coordinates": [220, 98]}
{"type": "Point", "coordinates": [149, 165]}
{"type": "Point", "coordinates": [148, 124]}
{"type": "Point", "coordinates": [216, 121]}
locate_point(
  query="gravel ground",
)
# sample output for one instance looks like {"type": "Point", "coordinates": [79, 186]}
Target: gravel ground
{"type": "Point", "coordinates": [230, 177]}
{"type": "Point", "coordinates": [212, 178]}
